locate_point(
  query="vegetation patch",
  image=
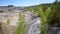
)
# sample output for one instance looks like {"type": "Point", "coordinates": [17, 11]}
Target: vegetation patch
{"type": "Point", "coordinates": [21, 28]}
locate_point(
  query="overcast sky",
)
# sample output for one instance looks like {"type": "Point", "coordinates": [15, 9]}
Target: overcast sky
{"type": "Point", "coordinates": [23, 2]}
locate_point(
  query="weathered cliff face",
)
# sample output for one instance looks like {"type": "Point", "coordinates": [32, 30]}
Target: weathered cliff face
{"type": "Point", "coordinates": [34, 27]}
{"type": "Point", "coordinates": [32, 24]}
{"type": "Point", "coordinates": [9, 19]}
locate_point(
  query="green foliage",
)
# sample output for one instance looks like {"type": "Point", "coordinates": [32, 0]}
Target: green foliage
{"type": "Point", "coordinates": [48, 15]}
{"type": "Point", "coordinates": [21, 29]}
{"type": "Point", "coordinates": [42, 13]}
{"type": "Point", "coordinates": [56, 18]}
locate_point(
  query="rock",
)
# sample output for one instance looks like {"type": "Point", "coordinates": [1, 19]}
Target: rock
{"type": "Point", "coordinates": [54, 30]}
{"type": "Point", "coordinates": [34, 27]}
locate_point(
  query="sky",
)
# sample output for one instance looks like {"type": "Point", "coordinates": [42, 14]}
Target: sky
{"type": "Point", "coordinates": [23, 2]}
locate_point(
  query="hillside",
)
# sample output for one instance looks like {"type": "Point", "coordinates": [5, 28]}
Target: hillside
{"type": "Point", "coordinates": [38, 19]}
{"type": "Point", "coordinates": [49, 13]}
{"type": "Point", "coordinates": [17, 20]}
